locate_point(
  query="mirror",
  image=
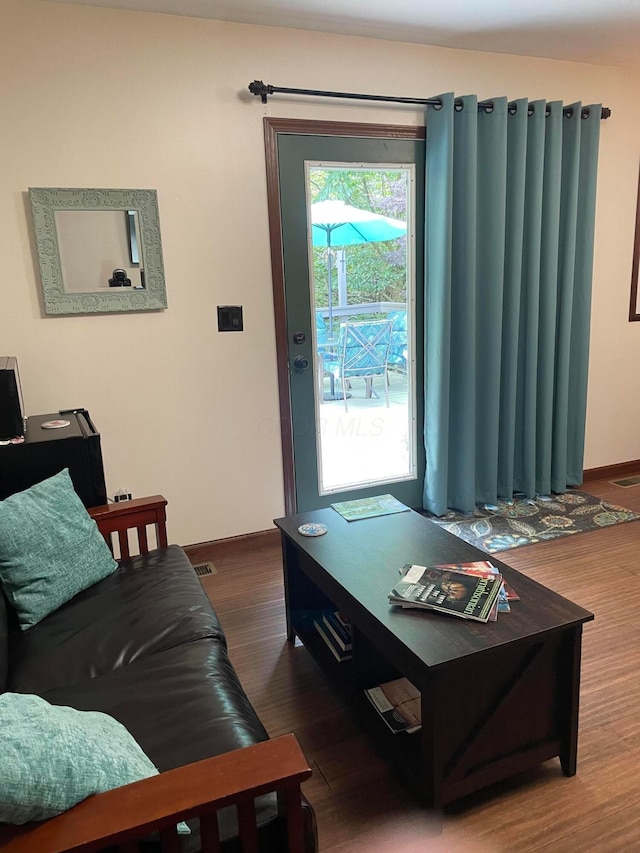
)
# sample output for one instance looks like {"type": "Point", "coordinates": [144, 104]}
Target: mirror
{"type": "Point", "coordinates": [99, 250]}
{"type": "Point", "coordinates": [634, 305]}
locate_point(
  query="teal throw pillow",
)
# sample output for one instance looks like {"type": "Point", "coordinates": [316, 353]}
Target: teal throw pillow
{"type": "Point", "coordinates": [53, 757]}
{"type": "Point", "coordinates": [50, 548]}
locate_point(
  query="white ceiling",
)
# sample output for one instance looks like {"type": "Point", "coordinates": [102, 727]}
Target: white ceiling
{"type": "Point", "coordinates": [595, 31]}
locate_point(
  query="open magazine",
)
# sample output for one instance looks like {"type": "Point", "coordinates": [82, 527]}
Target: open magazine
{"type": "Point", "coordinates": [398, 703]}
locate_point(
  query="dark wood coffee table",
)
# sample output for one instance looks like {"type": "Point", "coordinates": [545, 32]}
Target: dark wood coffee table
{"type": "Point", "coordinates": [497, 698]}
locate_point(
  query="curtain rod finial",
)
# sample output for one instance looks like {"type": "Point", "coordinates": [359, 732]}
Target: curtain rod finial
{"type": "Point", "coordinates": [260, 88]}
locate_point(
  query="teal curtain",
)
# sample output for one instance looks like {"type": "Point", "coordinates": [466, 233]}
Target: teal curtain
{"type": "Point", "coordinates": [510, 211]}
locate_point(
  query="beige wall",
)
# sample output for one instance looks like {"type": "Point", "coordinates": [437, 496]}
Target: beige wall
{"type": "Point", "coordinates": [105, 98]}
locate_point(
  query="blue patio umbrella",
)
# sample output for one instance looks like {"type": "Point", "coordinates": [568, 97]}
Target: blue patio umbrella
{"type": "Point", "coordinates": [335, 223]}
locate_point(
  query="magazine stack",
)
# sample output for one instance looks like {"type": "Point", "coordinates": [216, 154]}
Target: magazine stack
{"type": "Point", "coordinates": [474, 591]}
{"type": "Point", "coordinates": [335, 630]}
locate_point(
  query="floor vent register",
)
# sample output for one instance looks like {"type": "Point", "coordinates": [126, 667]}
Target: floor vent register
{"type": "Point", "coordinates": [205, 569]}
{"type": "Point", "coordinates": [627, 482]}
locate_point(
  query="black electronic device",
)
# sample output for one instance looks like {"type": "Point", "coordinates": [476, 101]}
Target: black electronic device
{"type": "Point", "coordinates": [46, 451]}
{"type": "Point", "coordinates": [11, 406]}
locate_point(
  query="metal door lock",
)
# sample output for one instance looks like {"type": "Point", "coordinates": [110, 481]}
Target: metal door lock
{"type": "Point", "coordinates": [301, 362]}
{"type": "Point", "coordinates": [299, 337]}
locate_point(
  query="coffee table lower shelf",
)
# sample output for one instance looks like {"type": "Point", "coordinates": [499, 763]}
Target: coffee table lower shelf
{"type": "Point", "coordinates": [402, 750]}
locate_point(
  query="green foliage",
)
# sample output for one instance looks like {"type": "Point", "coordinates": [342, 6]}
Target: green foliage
{"type": "Point", "coordinates": [376, 272]}
{"type": "Point", "coordinates": [382, 191]}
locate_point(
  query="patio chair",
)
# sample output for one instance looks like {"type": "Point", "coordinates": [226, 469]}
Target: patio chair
{"type": "Point", "coordinates": [362, 352]}
{"type": "Point", "coordinates": [321, 329]}
{"type": "Point", "coordinates": [398, 346]}
{"type": "Point", "coordinates": [326, 350]}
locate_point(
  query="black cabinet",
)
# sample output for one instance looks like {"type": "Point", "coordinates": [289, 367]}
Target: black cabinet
{"type": "Point", "coordinates": [45, 452]}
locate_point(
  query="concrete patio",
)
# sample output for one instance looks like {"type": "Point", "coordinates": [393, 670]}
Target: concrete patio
{"type": "Point", "coordinates": [369, 443]}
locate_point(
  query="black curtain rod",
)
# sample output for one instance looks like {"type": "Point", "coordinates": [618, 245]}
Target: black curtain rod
{"type": "Point", "coordinates": [262, 90]}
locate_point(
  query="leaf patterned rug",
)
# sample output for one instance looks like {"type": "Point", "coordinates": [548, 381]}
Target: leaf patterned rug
{"type": "Point", "coordinates": [522, 521]}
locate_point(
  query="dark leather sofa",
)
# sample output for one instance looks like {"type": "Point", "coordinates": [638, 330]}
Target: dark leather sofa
{"type": "Point", "coordinates": [145, 646]}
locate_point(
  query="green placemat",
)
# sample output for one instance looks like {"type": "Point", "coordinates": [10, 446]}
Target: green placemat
{"type": "Point", "coordinates": [369, 507]}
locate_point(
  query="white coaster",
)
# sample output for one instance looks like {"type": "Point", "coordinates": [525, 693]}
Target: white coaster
{"type": "Point", "coordinates": [312, 529]}
{"type": "Point", "coordinates": [55, 424]}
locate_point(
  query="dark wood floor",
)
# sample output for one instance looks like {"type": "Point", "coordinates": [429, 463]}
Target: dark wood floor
{"type": "Point", "coordinates": [361, 806]}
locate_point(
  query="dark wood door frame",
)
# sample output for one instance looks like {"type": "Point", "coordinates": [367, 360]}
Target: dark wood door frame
{"type": "Point", "coordinates": [273, 127]}
{"type": "Point", "coordinates": [634, 314]}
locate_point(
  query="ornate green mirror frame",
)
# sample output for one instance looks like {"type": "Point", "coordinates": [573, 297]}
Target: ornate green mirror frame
{"type": "Point", "coordinates": [99, 250]}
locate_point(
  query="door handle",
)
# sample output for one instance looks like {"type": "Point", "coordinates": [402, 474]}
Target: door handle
{"type": "Point", "coordinates": [300, 362]}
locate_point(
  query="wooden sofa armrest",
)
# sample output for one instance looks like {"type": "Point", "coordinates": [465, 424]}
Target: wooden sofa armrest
{"type": "Point", "coordinates": [128, 515]}
{"type": "Point", "coordinates": [121, 816]}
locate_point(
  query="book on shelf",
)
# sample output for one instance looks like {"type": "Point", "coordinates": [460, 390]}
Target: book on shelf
{"type": "Point", "coordinates": [398, 703]}
{"type": "Point", "coordinates": [339, 628]}
{"type": "Point", "coordinates": [332, 644]}
{"type": "Point", "coordinates": [447, 590]}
